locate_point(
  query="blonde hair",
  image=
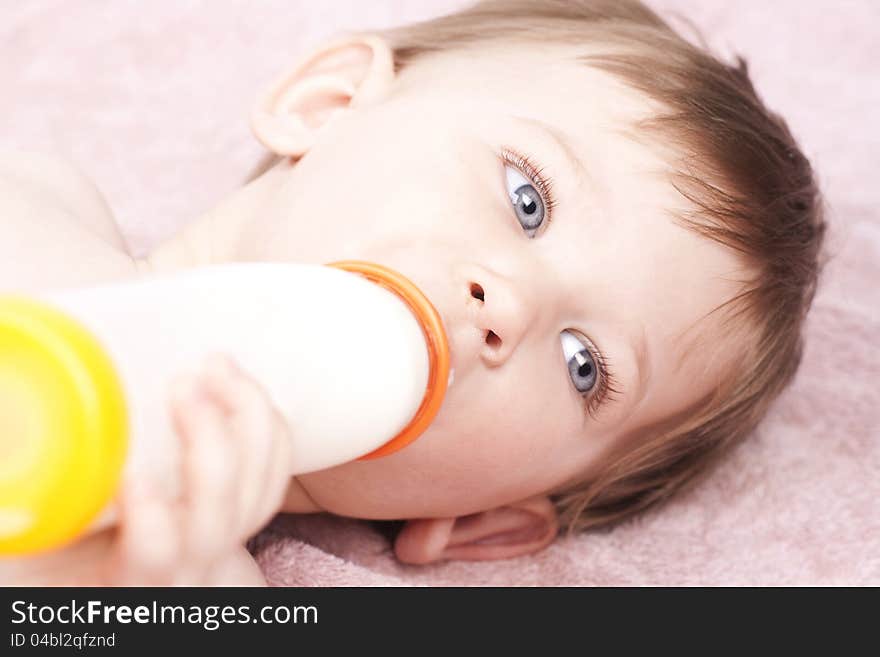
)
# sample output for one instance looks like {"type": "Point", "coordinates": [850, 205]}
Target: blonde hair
{"type": "Point", "coordinates": [750, 188]}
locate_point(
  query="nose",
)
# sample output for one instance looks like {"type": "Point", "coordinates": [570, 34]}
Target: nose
{"type": "Point", "coordinates": [504, 312]}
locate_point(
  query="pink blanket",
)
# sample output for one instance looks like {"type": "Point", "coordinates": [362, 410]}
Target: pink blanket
{"type": "Point", "coordinates": [151, 100]}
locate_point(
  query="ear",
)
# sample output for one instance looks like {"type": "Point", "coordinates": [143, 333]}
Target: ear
{"type": "Point", "coordinates": [323, 85]}
{"type": "Point", "coordinates": [501, 533]}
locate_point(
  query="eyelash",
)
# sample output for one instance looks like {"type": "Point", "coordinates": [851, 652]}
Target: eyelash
{"type": "Point", "coordinates": [608, 390]}
{"type": "Point", "coordinates": [536, 174]}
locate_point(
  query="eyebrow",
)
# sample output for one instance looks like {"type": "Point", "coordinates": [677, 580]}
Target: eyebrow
{"type": "Point", "coordinates": [555, 135]}
{"type": "Point", "coordinates": [639, 345]}
{"type": "Point", "coordinates": [643, 361]}
{"type": "Point", "coordinates": [633, 389]}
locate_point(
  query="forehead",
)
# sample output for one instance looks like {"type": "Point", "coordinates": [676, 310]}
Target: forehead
{"type": "Point", "coordinates": [615, 231]}
{"type": "Point", "coordinates": [550, 81]}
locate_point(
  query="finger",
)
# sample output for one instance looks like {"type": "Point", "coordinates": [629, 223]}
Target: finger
{"type": "Point", "coordinates": [237, 569]}
{"type": "Point", "coordinates": [267, 483]}
{"type": "Point", "coordinates": [221, 372]}
{"type": "Point", "coordinates": [269, 470]}
{"type": "Point", "coordinates": [222, 380]}
{"type": "Point", "coordinates": [257, 430]}
{"type": "Point", "coordinates": [209, 473]}
{"type": "Point", "coordinates": [148, 546]}
{"type": "Point", "coordinates": [276, 482]}
{"type": "Point", "coordinates": [239, 395]}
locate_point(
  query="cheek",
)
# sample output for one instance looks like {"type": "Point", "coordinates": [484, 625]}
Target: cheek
{"type": "Point", "coordinates": [495, 419]}
{"type": "Point", "coordinates": [392, 163]}
{"type": "Point", "coordinates": [384, 180]}
{"type": "Point", "coordinates": [493, 443]}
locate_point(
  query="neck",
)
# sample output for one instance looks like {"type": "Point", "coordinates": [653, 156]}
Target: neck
{"type": "Point", "coordinates": [214, 238]}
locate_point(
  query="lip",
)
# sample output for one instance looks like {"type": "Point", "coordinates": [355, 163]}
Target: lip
{"type": "Point", "coordinates": [439, 355]}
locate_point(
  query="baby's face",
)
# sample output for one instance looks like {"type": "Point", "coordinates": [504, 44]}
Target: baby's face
{"type": "Point", "coordinates": [448, 181]}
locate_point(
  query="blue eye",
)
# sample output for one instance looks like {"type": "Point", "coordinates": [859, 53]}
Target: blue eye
{"type": "Point", "coordinates": [581, 365]}
{"type": "Point", "coordinates": [527, 202]}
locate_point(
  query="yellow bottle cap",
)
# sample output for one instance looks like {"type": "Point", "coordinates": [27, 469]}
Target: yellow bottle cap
{"type": "Point", "coordinates": [63, 427]}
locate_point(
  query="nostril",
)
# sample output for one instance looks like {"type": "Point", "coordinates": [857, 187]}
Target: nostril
{"type": "Point", "coordinates": [477, 292]}
{"type": "Point", "coordinates": [493, 340]}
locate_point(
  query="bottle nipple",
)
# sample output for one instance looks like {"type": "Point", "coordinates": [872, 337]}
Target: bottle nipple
{"type": "Point", "coordinates": [439, 375]}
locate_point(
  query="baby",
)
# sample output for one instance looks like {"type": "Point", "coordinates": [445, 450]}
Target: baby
{"type": "Point", "coordinates": [623, 242]}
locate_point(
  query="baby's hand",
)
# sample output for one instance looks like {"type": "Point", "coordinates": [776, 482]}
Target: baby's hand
{"type": "Point", "coordinates": [235, 470]}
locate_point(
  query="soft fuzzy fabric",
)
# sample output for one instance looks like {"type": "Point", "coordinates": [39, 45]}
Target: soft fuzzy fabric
{"type": "Point", "coordinates": [151, 100]}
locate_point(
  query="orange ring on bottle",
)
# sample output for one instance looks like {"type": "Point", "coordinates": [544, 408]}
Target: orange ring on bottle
{"type": "Point", "coordinates": [435, 337]}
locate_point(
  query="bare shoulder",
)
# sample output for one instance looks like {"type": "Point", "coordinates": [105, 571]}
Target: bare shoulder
{"type": "Point", "coordinates": [58, 181]}
{"type": "Point", "coordinates": [55, 228]}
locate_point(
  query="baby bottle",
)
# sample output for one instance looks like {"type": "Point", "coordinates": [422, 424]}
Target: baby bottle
{"type": "Point", "coordinates": [352, 355]}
